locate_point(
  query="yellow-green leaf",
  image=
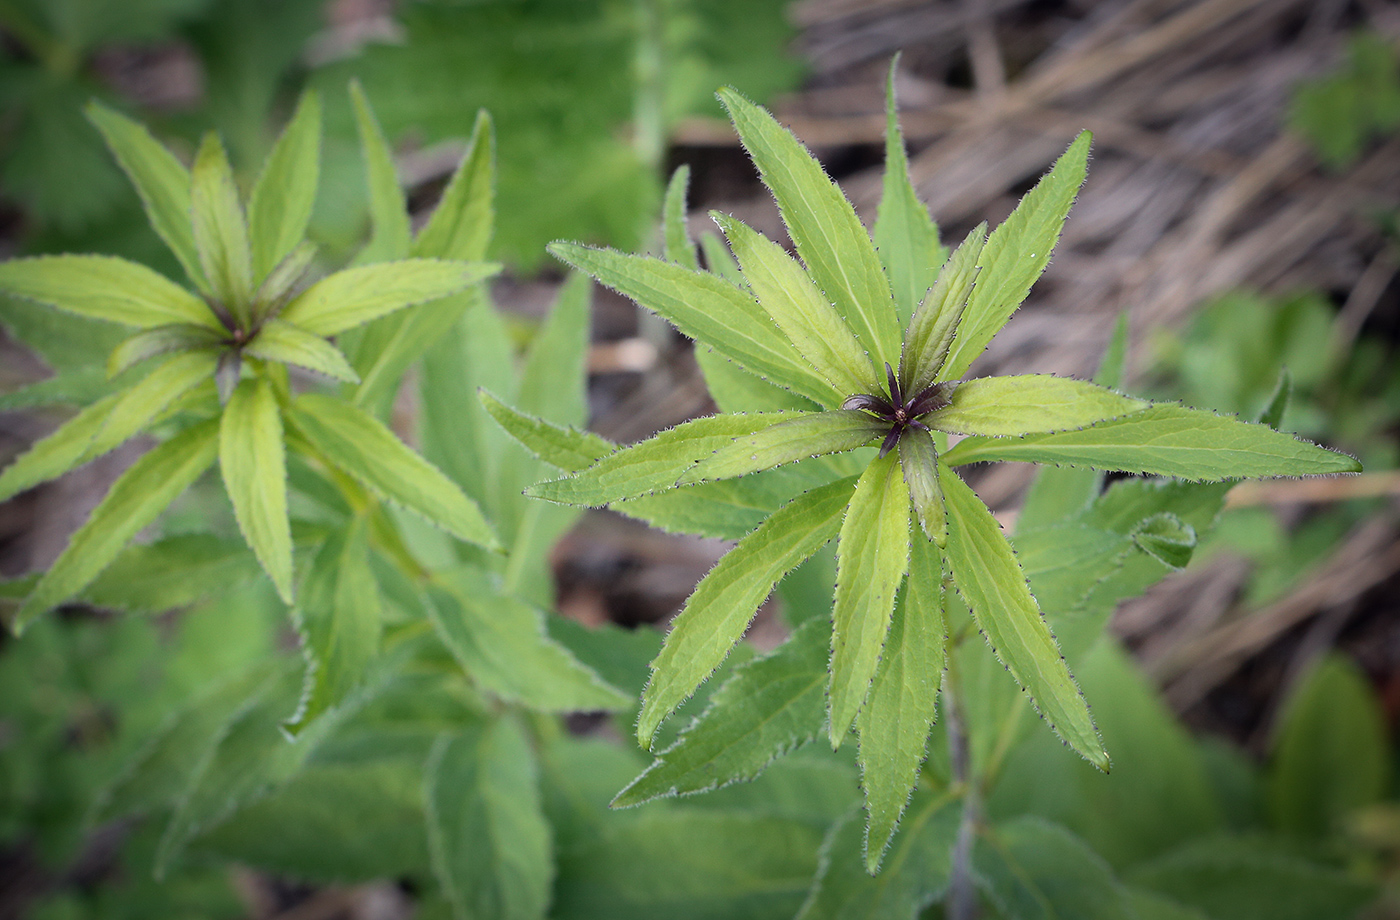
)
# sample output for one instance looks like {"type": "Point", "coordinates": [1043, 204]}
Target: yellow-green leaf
{"type": "Point", "coordinates": [355, 296]}
{"type": "Point", "coordinates": [161, 340]}
{"type": "Point", "coordinates": [679, 248]}
{"type": "Point", "coordinates": [461, 225]}
{"type": "Point", "coordinates": [936, 321]}
{"type": "Point", "coordinates": [918, 458]}
{"type": "Point", "coordinates": [279, 340]}
{"type": "Point", "coordinates": [139, 405]}
{"type": "Point", "coordinates": [1002, 406]}
{"type": "Point", "coordinates": [106, 288]}
{"type": "Point", "coordinates": [390, 235]}
{"type": "Point", "coordinates": [282, 199]}
{"type": "Point", "coordinates": [252, 458]}
{"type": "Point", "coordinates": [220, 230]}
{"type": "Point", "coordinates": [52, 456]}
{"type": "Point", "coordinates": [809, 435]}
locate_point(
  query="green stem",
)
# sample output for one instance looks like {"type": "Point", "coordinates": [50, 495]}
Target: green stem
{"type": "Point", "coordinates": [648, 104]}
{"type": "Point", "coordinates": [961, 901]}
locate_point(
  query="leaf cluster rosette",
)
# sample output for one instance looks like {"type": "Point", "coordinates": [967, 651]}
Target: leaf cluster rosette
{"type": "Point", "coordinates": [815, 347]}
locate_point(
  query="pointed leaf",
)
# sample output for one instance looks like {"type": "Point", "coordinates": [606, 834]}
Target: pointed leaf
{"type": "Point", "coordinates": [461, 225]}
{"type": "Point", "coordinates": [490, 843]}
{"type": "Point", "coordinates": [280, 340]}
{"type": "Point", "coordinates": [895, 721]}
{"type": "Point", "coordinates": [139, 405]}
{"type": "Point", "coordinates": [679, 248]}
{"type": "Point", "coordinates": [174, 572]}
{"type": "Point", "coordinates": [552, 381]}
{"type": "Point", "coordinates": [1016, 254]}
{"type": "Point", "coordinates": [58, 453]}
{"type": "Point", "coordinates": [871, 558]}
{"type": "Point", "coordinates": [829, 237]}
{"type": "Point", "coordinates": [801, 311]}
{"type": "Point", "coordinates": [729, 509]}
{"type": "Point", "coordinates": [220, 230]}
{"type": "Point", "coordinates": [918, 459]}
{"type": "Point", "coordinates": [363, 447]}
{"type": "Point", "coordinates": [1166, 538]}
{"type": "Point", "coordinates": [811, 435]}
{"type": "Point", "coordinates": [905, 236]}
{"type": "Point", "coordinates": [655, 463]}
{"type": "Point", "coordinates": [1166, 440]}
{"type": "Point", "coordinates": [567, 448]}
{"type": "Point", "coordinates": [736, 390]}
{"type": "Point", "coordinates": [1034, 870]}
{"type": "Point", "coordinates": [710, 310]}
{"type": "Point", "coordinates": [286, 190]}
{"type": "Point", "coordinates": [135, 500]}
{"type": "Point", "coordinates": [159, 341]}
{"type": "Point", "coordinates": [721, 606]}
{"type": "Point", "coordinates": [718, 259]}
{"type": "Point", "coordinates": [390, 236]}
{"type": "Point", "coordinates": [355, 296]}
{"type": "Point", "coordinates": [936, 322]}
{"type": "Point", "coordinates": [1000, 406]}
{"type": "Point", "coordinates": [253, 462]}
{"type": "Point", "coordinates": [991, 581]}
{"type": "Point", "coordinates": [161, 180]}
{"type": "Point", "coordinates": [387, 346]}
{"type": "Point", "coordinates": [106, 288]}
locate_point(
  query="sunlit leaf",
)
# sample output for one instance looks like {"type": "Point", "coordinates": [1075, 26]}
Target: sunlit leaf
{"type": "Point", "coordinates": [220, 230]}
{"type": "Point", "coordinates": [283, 341]}
{"type": "Point", "coordinates": [355, 296]}
{"type": "Point", "coordinates": [390, 235]}
{"type": "Point", "coordinates": [105, 288]}
{"type": "Point", "coordinates": [280, 206]}
{"type": "Point", "coordinates": [936, 321]}
{"type": "Point", "coordinates": [1000, 406]}
{"type": "Point", "coordinates": [253, 462]}
{"type": "Point", "coordinates": [788, 441]}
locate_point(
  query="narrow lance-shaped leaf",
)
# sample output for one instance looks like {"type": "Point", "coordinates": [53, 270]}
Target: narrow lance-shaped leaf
{"type": "Point", "coordinates": [721, 606]}
{"type": "Point", "coordinates": [936, 321]}
{"type": "Point", "coordinates": [279, 340]}
{"type": "Point", "coordinates": [161, 340]}
{"type": "Point", "coordinates": [363, 447]}
{"type": "Point", "coordinates": [280, 206]}
{"type": "Point", "coordinates": [679, 248]}
{"type": "Point", "coordinates": [460, 227]}
{"type": "Point", "coordinates": [804, 314]}
{"type": "Point", "coordinates": [253, 462]}
{"type": "Point", "coordinates": [1015, 255]}
{"type": "Point", "coordinates": [390, 236]}
{"type": "Point", "coordinates": [355, 296]}
{"type": "Point", "coordinates": [105, 288]}
{"type": "Point", "coordinates": [812, 435]}
{"type": "Point", "coordinates": [871, 558]}
{"type": "Point", "coordinates": [58, 453]}
{"type": "Point", "coordinates": [918, 458]}
{"type": "Point", "coordinates": [1166, 440]}
{"type": "Point", "coordinates": [1002, 406]}
{"type": "Point", "coordinates": [139, 405]}
{"type": "Point", "coordinates": [135, 500]}
{"type": "Point", "coordinates": [220, 231]}
{"type": "Point", "coordinates": [567, 448]}
{"type": "Point", "coordinates": [736, 390]}
{"type": "Point", "coordinates": [991, 581]}
{"type": "Point", "coordinates": [829, 237]}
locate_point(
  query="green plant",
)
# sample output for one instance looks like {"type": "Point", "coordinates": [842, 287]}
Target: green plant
{"type": "Point", "coordinates": [1343, 111]}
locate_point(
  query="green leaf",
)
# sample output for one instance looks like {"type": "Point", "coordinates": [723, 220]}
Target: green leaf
{"type": "Point", "coordinates": [1166, 440]}
{"type": "Point", "coordinates": [788, 441]}
{"type": "Point", "coordinates": [1034, 870]}
{"type": "Point", "coordinates": [80, 387]}
{"type": "Point", "coordinates": [220, 229]}
{"type": "Point", "coordinates": [552, 378]}
{"type": "Point", "coordinates": [490, 843]}
{"type": "Point", "coordinates": [174, 572]}
{"type": "Point", "coordinates": [769, 707]}
{"type": "Point", "coordinates": [105, 288]}
{"type": "Point", "coordinates": [1331, 753]}
{"type": "Point", "coordinates": [829, 237]}
{"type": "Point", "coordinates": [915, 873]}
{"type": "Point", "coordinates": [710, 310]}
{"type": "Point", "coordinates": [567, 448]}
{"type": "Point", "coordinates": [895, 721]}
{"type": "Point", "coordinates": [355, 296]}
{"type": "Point", "coordinates": [679, 248]}
{"type": "Point", "coordinates": [936, 322]}
{"type": "Point", "coordinates": [871, 557]}
{"type": "Point", "coordinates": [736, 390]}
{"type": "Point", "coordinates": [139, 405]}
{"type": "Point", "coordinates": [655, 463]}
{"type": "Point", "coordinates": [991, 581]}
{"type": "Point", "coordinates": [280, 340]}
{"type": "Point", "coordinates": [460, 227]}
{"type": "Point", "coordinates": [1166, 538]}
{"type": "Point", "coordinates": [387, 346]}
{"type": "Point", "coordinates": [161, 180]}
{"type": "Point", "coordinates": [1016, 254]}
{"type": "Point", "coordinates": [1001, 406]}
{"type": "Point", "coordinates": [253, 462]}
{"type": "Point", "coordinates": [390, 235]}
{"type": "Point", "coordinates": [500, 642]}
{"type": "Point", "coordinates": [721, 606]}
{"type": "Point", "coordinates": [135, 500]}
{"type": "Point", "coordinates": [58, 453]}
{"type": "Point", "coordinates": [802, 312]}
{"type": "Point", "coordinates": [363, 447]}
{"type": "Point", "coordinates": [159, 341]}
{"type": "Point", "coordinates": [905, 236]}
{"type": "Point", "coordinates": [918, 460]}
{"type": "Point", "coordinates": [728, 509]}
{"type": "Point", "coordinates": [285, 193]}
{"type": "Point", "coordinates": [718, 259]}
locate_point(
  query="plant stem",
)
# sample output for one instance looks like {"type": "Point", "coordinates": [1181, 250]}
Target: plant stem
{"type": "Point", "coordinates": [961, 902]}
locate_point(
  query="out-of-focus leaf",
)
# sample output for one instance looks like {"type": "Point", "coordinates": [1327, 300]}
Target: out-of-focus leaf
{"type": "Point", "coordinates": [253, 462]}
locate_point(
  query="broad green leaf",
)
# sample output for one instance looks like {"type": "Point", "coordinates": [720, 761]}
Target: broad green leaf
{"type": "Point", "coordinates": [135, 500]}
{"type": "Point", "coordinates": [788, 441]}
{"type": "Point", "coordinates": [339, 616]}
{"type": "Point", "coordinates": [58, 453]}
{"type": "Point", "coordinates": [1034, 870]}
{"type": "Point", "coordinates": [721, 606]}
{"type": "Point", "coordinates": [710, 310]}
{"type": "Point", "coordinates": [280, 206]}
{"type": "Point", "coordinates": [253, 462]}
{"type": "Point", "coordinates": [390, 235]}
{"type": "Point", "coordinates": [161, 180]}
{"type": "Point", "coordinates": [918, 460]}
{"type": "Point", "coordinates": [1064, 563]}
{"type": "Point", "coordinates": [501, 643]}
{"type": "Point", "coordinates": [159, 341]}
{"type": "Point", "coordinates": [1166, 538]}
{"type": "Point", "coordinates": [678, 246]}
{"type": "Point", "coordinates": [137, 406]}
{"type": "Point", "coordinates": [280, 340]}
{"type": "Point", "coordinates": [220, 230]}
{"type": "Point", "coordinates": [655, 463]}
{"type": "Point", "coordinates": [871, 557]}
{"type": "Point", "coordinates": [1015, 256]}
{"type": "Point", "coordinates": [802, 312]}
{"type": "Point", "coordinates": [770, 706]}
{"type": "Point", "coordinates": [174, 572]}
{"type": "Point", "coordinates": [490, 843]}
{"type": "Point", "coordinates": [1331, 754]}
{"type": "Point", "coordinates": [1166, 440]}
{"type": "Point", "coordinates": [1003, 406]}
{"type": "Point", "coordinates": [355, 296]}
{"type": "Point", "coordinates": [460, 227]}
{"type": "Point", "coordinates": [368, 451]}
{"type": "Point", "coordinates": [105, 288]}
{"type": "Point", "coordinates": [991, 581]}
{"type": "Point", "coordinates": [915, 872]}
{"type": "Point", "coordinates": [829, 236]}
{"type": "Point", "coordinates": [895, 721]}
{"type": "Point", "coordinates": [567, 448]}
{"type": "Point", "coordinates": [905, 236]}
{"type": "Point", "coordinates": [936, 322]}
{"type": "Point", "coordinates": [736, 390]}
